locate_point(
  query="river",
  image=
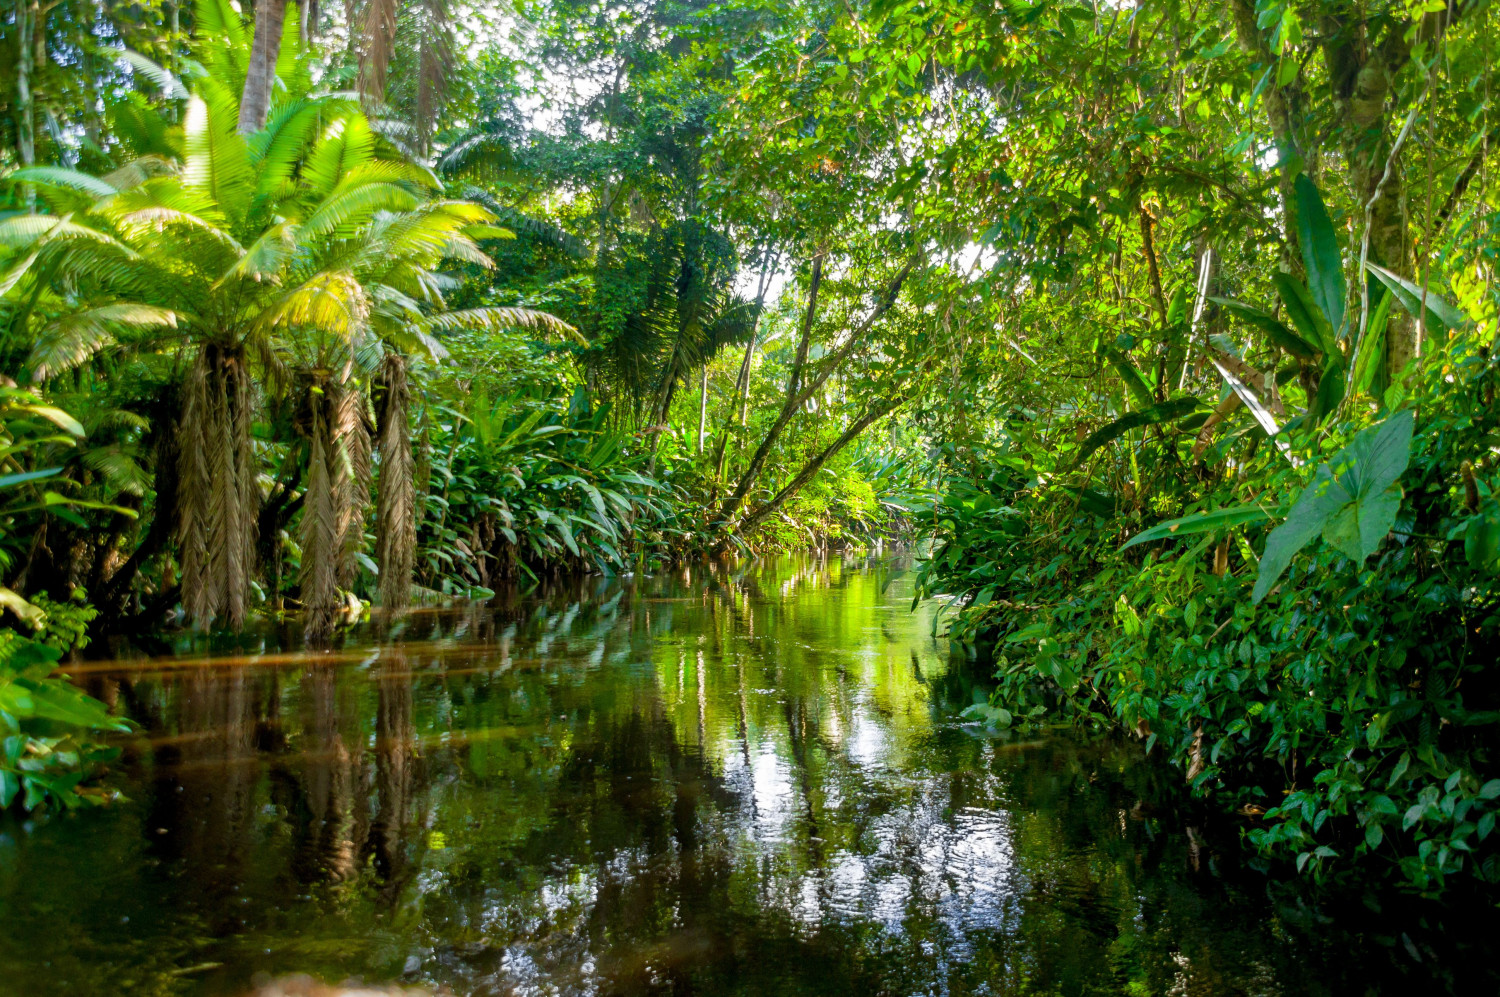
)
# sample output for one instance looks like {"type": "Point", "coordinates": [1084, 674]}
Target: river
{"type": "Point", "coordinates": [751, 779]}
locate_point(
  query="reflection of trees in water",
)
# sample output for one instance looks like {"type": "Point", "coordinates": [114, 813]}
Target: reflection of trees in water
{"type": "Point", "coordinates": [202, 803]}
{"type": "Point", "coordinates": [396, 775]}
{"type": "Point", "coordinates": [329, 773]}
{"type": "Point", "coordinates": [743, 778]}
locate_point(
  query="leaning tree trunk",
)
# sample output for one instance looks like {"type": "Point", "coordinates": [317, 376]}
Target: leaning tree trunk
{"type": "Point", "coordinates": [217, 498]}
{"type": "Point", "coordinates": [255, 102]}
{"type": "Point", "coordinates": [396, 497]}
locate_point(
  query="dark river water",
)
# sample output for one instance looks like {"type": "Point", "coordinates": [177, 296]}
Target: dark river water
{"type": "Point", "coordinates": [744, 780]}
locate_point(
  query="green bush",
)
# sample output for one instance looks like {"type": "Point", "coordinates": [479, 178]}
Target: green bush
{"type": "Point", "coordinates": [1351, 712]}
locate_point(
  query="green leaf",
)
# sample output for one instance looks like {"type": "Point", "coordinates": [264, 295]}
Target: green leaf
{"type": "Point", "coordinates": [1330, 391]}
{"type": "Point", "coordinates": [1162, 412]}
{"type": "Point", "coordinates": [57, 176]}
{"type": "Point", "coordinates": [1202, 522]}
{"type": "Point", "coordinates": [1135, 382]}
{"type": "Point", "coordinates": [1490, 790]}
{"type": "Point", "coordinates": [1353, 511]}
{"type": "Point", "coordinates": [1357, 529]}
{"type": "Point", "coordinates": [1317, 502]}
{"type": "Point", "coordinates": [1440, 314]}
{"type": "Point", "coordinates": [1304, 312]}
{"type": "Point", "coordinates": [1282, 336]}
{"type": "Point", "coordinates": [1320, 252]}
{"type": "Point", "coordinates": [56, 415]}
{"type": "Point", "coordinates": [1371, 362]}
{"type": "Point", "coordinates": [7, 480]}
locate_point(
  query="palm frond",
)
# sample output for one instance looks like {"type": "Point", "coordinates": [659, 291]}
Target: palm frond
{"type": "Point", "coordinates": [72, 338]}
{"type": "Point", "coordinates": [346, 143]}
{"type": "Point", "coordinates": [217, 161]}
{"type": "Point", "coordinates": [495, 318]}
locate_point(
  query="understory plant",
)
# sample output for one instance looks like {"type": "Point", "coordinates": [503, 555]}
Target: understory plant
{"type": "Point", "coordinates": [1331, 678]}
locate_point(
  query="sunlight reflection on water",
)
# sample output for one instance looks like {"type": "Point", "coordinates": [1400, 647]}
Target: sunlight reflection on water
{"type": "Point", "coordinates": [743, 779]}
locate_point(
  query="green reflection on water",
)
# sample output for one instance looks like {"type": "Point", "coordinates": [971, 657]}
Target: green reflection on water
{"type": "Point", "coordinates": [747, 780]}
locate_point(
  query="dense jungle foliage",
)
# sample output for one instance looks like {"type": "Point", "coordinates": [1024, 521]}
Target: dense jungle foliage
{"type": "Point", "coordinates": [1169, 325]}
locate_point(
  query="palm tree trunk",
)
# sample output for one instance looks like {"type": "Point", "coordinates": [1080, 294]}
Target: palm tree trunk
{"type": "Point", "coordinates": [255, 102]}
{"type": "Point", "coordinates": [396, 501]}
{"type": "Point", "coordinates": [218, 501]}
{"type": "Point", "coordinates": [320, 533]}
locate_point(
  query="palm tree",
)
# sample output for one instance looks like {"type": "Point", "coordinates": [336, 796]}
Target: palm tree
{"type": "Point", "coordinates": [294, 259]}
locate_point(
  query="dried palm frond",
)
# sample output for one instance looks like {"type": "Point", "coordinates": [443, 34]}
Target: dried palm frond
{"type": "Point", "coordinates": [435, 65]}
{"type": "Point", "coordinates": [321, 542]}
{"type": "Point", "coordinates": [351, 477]}
{"type": "Point", "coordinates": [375, 52]}
{"type": "Point", "coordinates": [396, 502]}
{"type": "Point", "coordinates": [218, 502]}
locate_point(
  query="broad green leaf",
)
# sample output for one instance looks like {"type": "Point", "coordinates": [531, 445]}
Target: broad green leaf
{"type": "Point", "coordinates": [1304, 312]}
{"type": "Point", "coordinates": [1282, 336]}
{"type": "Point", "coordinates": [7, 480]}
{"type": "Point", "coordinates": [1357, 528]}
{"type": "Point", "coordinates": [1371, 361]}
{"type": "Point", "coordinates": [56, 415]}
{"type": "Point", "coordinates": [1353, 511]}
{"type": "Point", "coordinates": [1135, 382]}
{"type": "Point", "coordinates": [1330, 392]}
{"type": "Point", "coordinates": [1320, 253]}
{"type": "Point", "coordinates": [1162, 412]}
{"type": "Point", "coordinates": [1202, 522]}
{"type": "Point", "coordinates": [55, 700]}
{"type": "Point", "coordinates": [1317, 502]}
{"type": "Point", "coordinates": [1440, 314]}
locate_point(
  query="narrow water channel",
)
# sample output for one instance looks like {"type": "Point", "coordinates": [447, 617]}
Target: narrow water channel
{"type": "Point", "coordinates": [745, 780]}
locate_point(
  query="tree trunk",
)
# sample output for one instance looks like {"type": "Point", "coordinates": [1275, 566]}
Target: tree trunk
{"type": "Point", "coordinates": [1284, 107]}
{"type": "Point", "coordinates": [26, 31]}
{"type": "Point", "coordinates": [797, 392]}
{"type": "Point", "coordinates": [739, 410]}
{"type": "Point", "coordinates": [218, 501]}
{"type": "Point", "coordinates": [703, 410]}
{"type": "Point", "coordinates": [260, 75]}
{"type": "Point", "coordinates": [766, 511]}
{"type": "Point", "coordinates": [792, 404]}
{"type": "Point", "coordinates": [396, 501]}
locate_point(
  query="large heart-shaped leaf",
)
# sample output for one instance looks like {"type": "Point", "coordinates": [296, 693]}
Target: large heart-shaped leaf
{"type": "Point", "coordinates": [1352, 501]}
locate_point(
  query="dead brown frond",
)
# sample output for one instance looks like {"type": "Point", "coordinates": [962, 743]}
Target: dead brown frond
{"type": "Point", "coordinates": [321, 540]}
{"type": "Point", "coordinates": [218, 502]}
{"type": "Point", "coordinates": [395, 509]}
{"type": "Point", "coordinates": [375, 51]}
{"type": "Point", "coordinates": [435, 66]}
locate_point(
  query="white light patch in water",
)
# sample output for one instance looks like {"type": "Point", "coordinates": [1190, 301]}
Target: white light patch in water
{"type": "Point", "coordinates": [867, 744]}
{"type": "Point", "coordinates": [772, 790]}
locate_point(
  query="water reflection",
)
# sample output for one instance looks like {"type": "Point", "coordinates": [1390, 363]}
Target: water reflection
{"type": "Point", "coordinates": [735, 779]}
